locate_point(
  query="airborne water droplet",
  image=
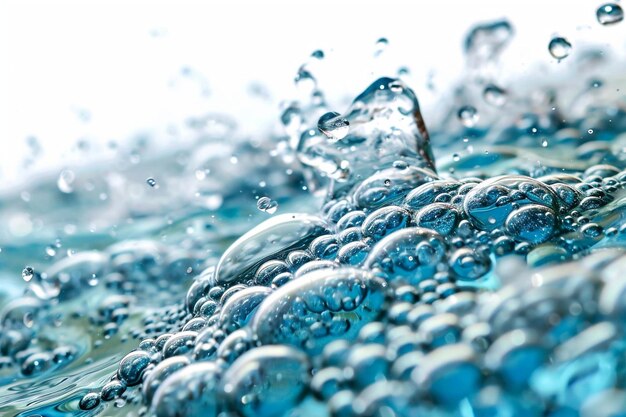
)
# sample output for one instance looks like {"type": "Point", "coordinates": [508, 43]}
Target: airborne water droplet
{"type": "Point", "coordinates": [65, 181]}
{"type": "Point", "coordinates": [334, 126]}
{"type": "Point", "coordinates": [305, 80]}
{"type": "Point", "coordinates": [559, 48]}
{"type": "Point", "coordinates": [318, 54]}
{"type": "Point", "coordinates": [381, 45]}
{"type": "Point", "coordinates": [468, 115]}
{"type": "Point", "coordinates": [494, 95]}
{"type": "Point", "coordinates": [403, 71]}
{"type": "Point", "coordinates": [151, 182]}
{"type": "Point", "coordinates": [28, 273]}
{"type": "Point", "coordinates": [486, 41]}
{"type": "Point", "coordinates": [267, 205]}
{"type": "Point", "coordinates": [291, 117]}
{"type": "Point", "coordinates": [609, 13]}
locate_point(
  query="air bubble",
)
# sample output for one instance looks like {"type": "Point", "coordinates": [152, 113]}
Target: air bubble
{"type": "Point", "coordinates": [28, 273]}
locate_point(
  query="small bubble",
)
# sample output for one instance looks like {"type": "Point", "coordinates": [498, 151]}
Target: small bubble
{"type": "Point", "coordinates": [590, 131]}
{"type": "Point", "coordinates": [609, 13]}
{"type": "Point", "coordinates": [400, 164]}
{"type": "Point", "coordinates": [544, 143]}
{"type": "Point", "coordinates": [468, 115]}
{"type": "Point", "coordinates": [93, 281]}
{"type": "Point", "coordinates": [559, 48]}
{"type": "Point", "coordinates": [200, 174]}
{"type": "Point", "coordinates": [50, 250]}
{"type": "Point", "coordinates": [387, 182]}
{"type": "Point", "coordinates": [456, 157]}
{"type": "Point", "coordinates": [28, 273]}
{"type": "Point", "coordinates": [267, 205]}
{"type": "Point", "coordinates": [151, 182]}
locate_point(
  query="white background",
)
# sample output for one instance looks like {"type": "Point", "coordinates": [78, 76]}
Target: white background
{"type": "Point", "coordinates": [120, 61]}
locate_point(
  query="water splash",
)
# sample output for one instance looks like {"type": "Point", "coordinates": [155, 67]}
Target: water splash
{"type": "Point", "coordinates": [493, 284]}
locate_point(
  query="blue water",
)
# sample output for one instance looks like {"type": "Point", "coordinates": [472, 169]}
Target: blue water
{"type": "Point", "coordinates": [364, 263]}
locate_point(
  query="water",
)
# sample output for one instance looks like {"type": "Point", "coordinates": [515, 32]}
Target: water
{"type": "Point", "coordinates": [610, 13]}
{"type": "Point", "coordinates": [559, 48]}
{"type": "Point", "coordinates": [364, 263]}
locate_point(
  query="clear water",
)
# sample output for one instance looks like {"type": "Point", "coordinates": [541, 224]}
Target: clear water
{"type": "Point", "coordinates": [364, 263]}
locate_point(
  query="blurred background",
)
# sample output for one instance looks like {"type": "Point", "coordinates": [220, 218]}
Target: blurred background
{"type": "Point", "coordinates": [79, 80]}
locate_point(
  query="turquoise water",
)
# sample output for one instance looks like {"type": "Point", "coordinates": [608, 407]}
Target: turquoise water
{"type": "Point", "coordinates": [364, 263]}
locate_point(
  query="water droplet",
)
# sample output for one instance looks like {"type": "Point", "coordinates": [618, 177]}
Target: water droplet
{"type": "Point", "coordinates": [89, 401]}
{"type": "Point", "coordinates": [151, 182]}
{"type": "Point", "coordinates": [381, 45]}
{"type": "Point", "coordinates": [305, 80]}
{"type": "Point", "coordinates": [486, 41]}
{"type": "Point", "coordinates": [334, 126]}
{"type": "Point", "coordinates": [559, 48]}
{"type": "Point", "coordinates": [318, 54]}
{"type": "Point", "coordinates": [28, 273]}
{"type": "Point", "coordinates": [267, 205]}
{"type": "Point", "coordinates": [609, 13]}
{"type": "Point", "coordinates": [291, 118]}
{"type": "Point", "coordinates": [65, 181]}
{"type": "Point", "coordinates": [494, 95]}
{"type": "Point", "coordinates": [590, 131]}
{"type": "Point", "coordinates": [400, 164]}
{"type": "Point", "coordinates": [50, 250]}
{"type": "Point", "coordinates": [544, 143]}
{"type": "Point", "coordinates": [468, 115]}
